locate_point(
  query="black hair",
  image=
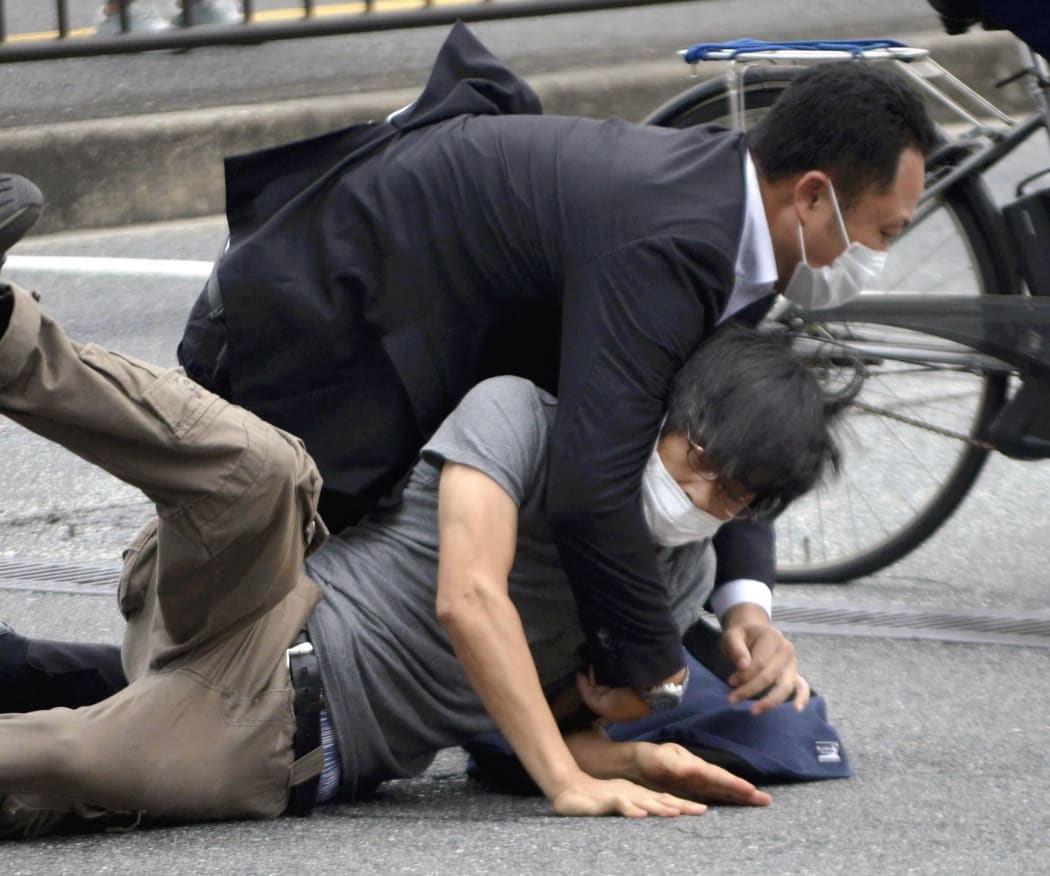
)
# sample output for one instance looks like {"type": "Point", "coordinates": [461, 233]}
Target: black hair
{"type": "Point", "coordinates": [850, 119]}
{"type": "Point", "coordinates": [761, 416]}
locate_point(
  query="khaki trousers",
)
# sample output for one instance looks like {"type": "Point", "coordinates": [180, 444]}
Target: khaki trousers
{"type": "Point", "coordinates": [212, 591]}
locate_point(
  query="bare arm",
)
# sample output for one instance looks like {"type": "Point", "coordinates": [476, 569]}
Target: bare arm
{"type": "Point", "coordinates": [478, 528]}
{"type": "Point", "coordinates": [662, 766]}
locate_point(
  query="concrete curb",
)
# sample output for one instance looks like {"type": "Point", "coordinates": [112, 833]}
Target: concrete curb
{"type": "Point", "coordinates": [148, 168]}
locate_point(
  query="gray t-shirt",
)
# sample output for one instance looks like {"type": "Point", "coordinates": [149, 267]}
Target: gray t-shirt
{"type": "Point", "coordinates": [396, 692]}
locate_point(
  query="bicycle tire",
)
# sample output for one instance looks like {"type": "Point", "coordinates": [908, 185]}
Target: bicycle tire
{"type": "Point", "coordinates": [972, 212]}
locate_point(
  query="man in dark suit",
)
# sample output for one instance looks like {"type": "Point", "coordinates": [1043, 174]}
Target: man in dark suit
{"type": "Point", "coordinates": [374, 275]}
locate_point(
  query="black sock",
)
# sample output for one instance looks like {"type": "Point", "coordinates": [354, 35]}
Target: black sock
{"type": "Point", "coordinates": [42, 674]}
{"type": "Point", "coordinates": [13, 681]}
{"type": "Point", "coordinates": [7, 307]}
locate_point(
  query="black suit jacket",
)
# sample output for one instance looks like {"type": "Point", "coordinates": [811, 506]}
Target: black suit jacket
{"type": "Point", "coordinates": [375, 274]}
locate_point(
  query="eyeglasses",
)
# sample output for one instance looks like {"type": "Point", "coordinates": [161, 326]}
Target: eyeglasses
{"type": "Point", "coordinates": [748, 505]}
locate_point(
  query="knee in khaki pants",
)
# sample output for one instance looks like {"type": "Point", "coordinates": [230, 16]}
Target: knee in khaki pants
{"type": "Point", "coordinates": [212, 591]}
{"type": "Point", "coordinates": [209, 740]}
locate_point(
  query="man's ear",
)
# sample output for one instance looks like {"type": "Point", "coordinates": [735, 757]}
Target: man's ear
{"type": "Point", "coordinates": [809, 192]}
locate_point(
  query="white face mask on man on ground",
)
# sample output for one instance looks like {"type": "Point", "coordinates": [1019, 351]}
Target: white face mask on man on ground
{"type": "Point", "coordinates": [842, 280]}
{"type": "Point", "coordinates": [672, 517]}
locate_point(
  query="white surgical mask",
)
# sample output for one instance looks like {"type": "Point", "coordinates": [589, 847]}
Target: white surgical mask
{"type": "Point", "coordinates": [834, 284]}
{"type": "Point", "coordinates": [672, 517]}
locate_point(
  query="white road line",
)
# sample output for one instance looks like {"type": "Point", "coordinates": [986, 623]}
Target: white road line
{"type": "Point", "coordinates": [179, 268]}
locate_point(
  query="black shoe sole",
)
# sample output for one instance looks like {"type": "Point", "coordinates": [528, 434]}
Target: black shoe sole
{"type": "Point", "coordinates": [20, 205]}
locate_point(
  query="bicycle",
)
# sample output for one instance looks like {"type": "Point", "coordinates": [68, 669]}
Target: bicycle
{"type": "Point", "coordinates": [953, 354]}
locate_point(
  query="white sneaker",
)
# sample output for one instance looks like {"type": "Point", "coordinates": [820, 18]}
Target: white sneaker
{"type": "Point", "coordinates": [212, 12]}
{"type": "Point", "coordinates": [141, 19]}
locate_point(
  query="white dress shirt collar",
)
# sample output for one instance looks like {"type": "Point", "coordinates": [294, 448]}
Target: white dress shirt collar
{"type": "Point", "coordinates": [756, 268]}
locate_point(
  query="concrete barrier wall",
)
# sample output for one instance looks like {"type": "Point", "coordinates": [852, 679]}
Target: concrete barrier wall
{"type": "Point", "coordinates": [149, 168]}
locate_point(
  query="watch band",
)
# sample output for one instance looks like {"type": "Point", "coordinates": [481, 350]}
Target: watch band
{"type": "Point", "coordinates": [661, 697]}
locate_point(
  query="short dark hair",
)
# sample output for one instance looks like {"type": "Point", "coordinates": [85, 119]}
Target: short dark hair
{"type": "Point", "coordinates": [850, 119]}
{"type": "Point", "coordinates": [761, 416]}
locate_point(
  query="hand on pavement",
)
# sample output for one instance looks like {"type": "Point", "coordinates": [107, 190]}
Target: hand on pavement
{"type": "Point", "coordinates": [670, 767]}
{"type": "Point", "coordinates": [589, 796]}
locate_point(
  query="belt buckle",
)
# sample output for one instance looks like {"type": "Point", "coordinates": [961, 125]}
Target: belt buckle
{"type": "Point", "coordinates": [308, 693]}
{"type": "Point", "coordinates": [300, 649]}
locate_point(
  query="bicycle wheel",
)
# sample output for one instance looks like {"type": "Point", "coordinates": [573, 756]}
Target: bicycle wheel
{"type": "Point", "coordinates": [908, 458]}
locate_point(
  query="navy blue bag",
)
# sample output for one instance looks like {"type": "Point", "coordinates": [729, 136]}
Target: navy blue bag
{"type": "Point", "coordinates": [781, 745]}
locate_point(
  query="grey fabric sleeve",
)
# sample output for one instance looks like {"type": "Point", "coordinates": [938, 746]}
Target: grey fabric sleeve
{"type": "Point", "coordinates": [501, 428]}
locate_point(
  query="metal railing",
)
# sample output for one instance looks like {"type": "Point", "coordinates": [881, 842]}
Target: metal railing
{"type": "Point", "coordinates": [68, 44]}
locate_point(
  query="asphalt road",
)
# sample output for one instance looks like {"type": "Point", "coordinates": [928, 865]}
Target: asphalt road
{"type": "Point", "coordinates": [948, 739]}
{"type": "Point", "coordinates": [71, 90]}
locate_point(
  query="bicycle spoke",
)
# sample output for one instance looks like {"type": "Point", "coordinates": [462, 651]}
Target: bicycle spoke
{"type": "Point", "coordinates": [894, 443]}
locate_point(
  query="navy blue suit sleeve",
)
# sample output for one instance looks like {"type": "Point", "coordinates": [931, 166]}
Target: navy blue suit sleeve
{"type": "Point", "coordinates": [746, 549]}
{"type": "Point", "coordinates": [629, 322]}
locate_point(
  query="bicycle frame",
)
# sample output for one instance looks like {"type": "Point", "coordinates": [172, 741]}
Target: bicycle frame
{"type": "Point", "coordinates": [997, 334]}
{"type": "Point", "coordinates": [1002, 334]}
{"type": "Point", "coordinates": [1003, 141]}
{"type": "Point", "coordinates": [937, 380]}
{"type": "Point", "coordinates": [962, 103]}
{"type": "Point", "coordinates": [1012, 331]}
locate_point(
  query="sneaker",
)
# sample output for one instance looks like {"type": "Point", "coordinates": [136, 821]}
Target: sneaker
{"type": "Point", "coordinates": [212, 12]}
{"type": "Point", "coordinates": [141, 19]}
{"type": "Point", "coordinates": [20, 206]}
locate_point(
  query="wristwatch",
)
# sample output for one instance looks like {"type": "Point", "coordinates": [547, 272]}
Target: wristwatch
{"type": "Point", "coordinates": [661, 697]}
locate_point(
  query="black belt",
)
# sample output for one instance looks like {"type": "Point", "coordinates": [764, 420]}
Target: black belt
{"type": "Point", "coordinates": [307, 702]}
